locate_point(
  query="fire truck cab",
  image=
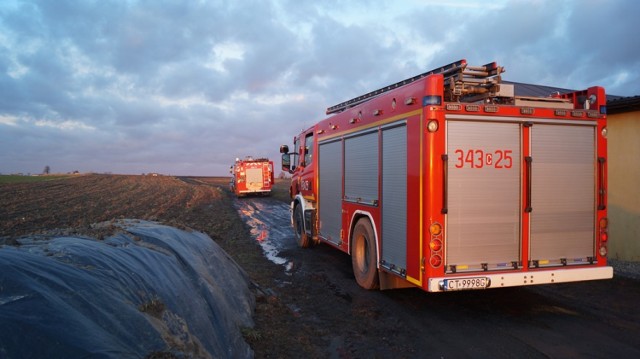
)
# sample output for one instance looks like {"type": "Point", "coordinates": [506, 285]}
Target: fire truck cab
{"type": "Point", "coordinates": [449, 181]}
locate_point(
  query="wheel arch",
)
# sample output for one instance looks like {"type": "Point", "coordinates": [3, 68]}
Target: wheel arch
{"type": "Point", "coordinates": [357, 215]}
{"type": "Point", "coordinates": [298, 200]}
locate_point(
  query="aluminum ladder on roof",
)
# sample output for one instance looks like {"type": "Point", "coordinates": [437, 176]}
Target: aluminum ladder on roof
{"type": "Point", "coordinates": [459, 79]}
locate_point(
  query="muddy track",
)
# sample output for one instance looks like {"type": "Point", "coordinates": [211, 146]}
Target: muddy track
{"type": "Point", "coordinates": [588, 319]}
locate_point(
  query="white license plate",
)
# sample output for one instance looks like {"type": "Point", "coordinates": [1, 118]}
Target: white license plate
{"type": "Point", "coordinates": [466, 283]}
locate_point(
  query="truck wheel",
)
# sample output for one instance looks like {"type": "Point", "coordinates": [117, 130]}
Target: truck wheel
{"type": "Point", "coordinates": [298, 223]}
{"type": "Point", "coordinates": [364, 255]}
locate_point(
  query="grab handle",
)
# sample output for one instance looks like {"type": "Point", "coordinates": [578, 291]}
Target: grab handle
{"type": "Point", "coordinates": [445, 182]}
{"type": "Point", "coordinates": [601, 186]}
{"type": "Point", "coordinates": [528, 160]}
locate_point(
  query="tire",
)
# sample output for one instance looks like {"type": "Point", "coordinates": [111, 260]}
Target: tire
{"type": "Point", "coordinates": [364, 255]}
{"type": "Point", "coordinates": [298, 225]}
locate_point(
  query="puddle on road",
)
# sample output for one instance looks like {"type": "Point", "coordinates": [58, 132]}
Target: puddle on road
{"type": "Point", "coordinates": [270, 225]}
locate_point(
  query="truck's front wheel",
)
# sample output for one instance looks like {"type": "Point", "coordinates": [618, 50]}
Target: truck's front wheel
{"type": "Point", "coordinates": [364, 255]}
{"type": "Point", "coordinates": [298, 224]}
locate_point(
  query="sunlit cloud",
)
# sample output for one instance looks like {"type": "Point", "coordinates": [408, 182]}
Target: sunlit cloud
{"type": "Point", "coordinates": [8, 120]}
{"type": "Point", "coordinates": [223, 52]}
{"type": "Point", "coordinates": [67, 125]}
{"type": "Point", "coordinates": [279, 99]}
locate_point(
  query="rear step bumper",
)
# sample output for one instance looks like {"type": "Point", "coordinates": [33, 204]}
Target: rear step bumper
{"type": "Point", "coordinates": [547, 276]}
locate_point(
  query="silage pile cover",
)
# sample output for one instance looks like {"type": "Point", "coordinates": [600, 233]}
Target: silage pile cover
{"type": "Point", "coordinates": [153, 289]}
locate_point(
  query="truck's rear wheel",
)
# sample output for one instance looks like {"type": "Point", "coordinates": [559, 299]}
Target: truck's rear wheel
{"type": "Point", "coordinates": [298, 223]}
{"type": "Point", "coordinates": [364, 255]}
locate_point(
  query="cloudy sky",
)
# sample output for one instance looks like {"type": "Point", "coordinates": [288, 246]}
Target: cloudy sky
{"type": "Point", "coordinates": [184, 87]}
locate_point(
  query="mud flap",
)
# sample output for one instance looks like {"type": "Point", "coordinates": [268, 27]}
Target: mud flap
{"type": "Point", "coordinates": [309, 220]}
{"type": "Point", "coordinates": [392, 281]}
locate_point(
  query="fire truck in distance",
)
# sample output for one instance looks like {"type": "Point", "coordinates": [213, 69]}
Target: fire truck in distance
{"type": "Point", "coordinates": [252, 176]}
{"type": "Point", "coordinates": [449, 181]}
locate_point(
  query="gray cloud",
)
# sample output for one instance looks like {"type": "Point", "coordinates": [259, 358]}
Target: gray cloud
{"type": "Point", "coordinates": [184, 87]}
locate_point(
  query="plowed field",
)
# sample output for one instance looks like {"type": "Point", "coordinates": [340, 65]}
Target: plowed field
{"type": "Point", "coordinates": [73, 205]}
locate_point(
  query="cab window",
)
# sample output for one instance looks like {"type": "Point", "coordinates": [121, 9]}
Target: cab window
{"type": "Point", "coordinates": [296, 151]}
{"type": "Point", "coordinates": [308, 153]}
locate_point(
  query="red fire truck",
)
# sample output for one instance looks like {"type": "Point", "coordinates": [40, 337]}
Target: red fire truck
{"type": "Point", "coordinates": [252, 176]}
{"type": "Point", "coordinates": [448, 181]}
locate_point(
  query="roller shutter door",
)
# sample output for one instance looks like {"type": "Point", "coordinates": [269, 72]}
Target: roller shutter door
{"type": "Point", "coordinates": [361, 168]}
{"type": "Point", "coordinates": [330, 190]}
{"type": "Point", "coordinates": [563, 193]}
{"type": "Point", "coordinates": [483, 221]}
{"type": "Point", "coordinates": [254, 178]}
{"type": "Point", "coordinates": [394, 198]}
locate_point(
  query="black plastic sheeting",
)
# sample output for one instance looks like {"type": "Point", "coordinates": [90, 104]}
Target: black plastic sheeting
{"type": "Point", "coordinates": [155, 289]}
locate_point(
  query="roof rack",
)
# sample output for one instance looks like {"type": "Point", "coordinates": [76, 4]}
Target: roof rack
{"type": "Point", "coordinates": [460, 80]}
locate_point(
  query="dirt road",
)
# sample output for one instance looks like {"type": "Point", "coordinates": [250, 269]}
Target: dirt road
{"type": "Point", "coordinates": [308, 304]}
{"type": "Point", "coordinates": [590, 319]}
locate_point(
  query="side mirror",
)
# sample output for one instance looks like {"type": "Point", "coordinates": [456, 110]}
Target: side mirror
{"type": "Point", "coordinates": [284, 149]}
{"type": "Point", "coordinates": [286, 161]}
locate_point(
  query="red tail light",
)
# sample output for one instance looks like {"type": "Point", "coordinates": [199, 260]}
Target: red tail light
{"type": "Point", "coordinates": [436, 261]}
{"type": "Point", "coordinates": [604, 236]}
{"type": "Point", "coordinates": [435, 245]}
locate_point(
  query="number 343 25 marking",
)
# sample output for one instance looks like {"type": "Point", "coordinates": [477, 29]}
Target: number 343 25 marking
{"type": "Point", "coordinates": [474, 158]}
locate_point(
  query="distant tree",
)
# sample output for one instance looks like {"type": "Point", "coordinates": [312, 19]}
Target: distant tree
{"type": "Point", "coordinates": [47, 170]}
